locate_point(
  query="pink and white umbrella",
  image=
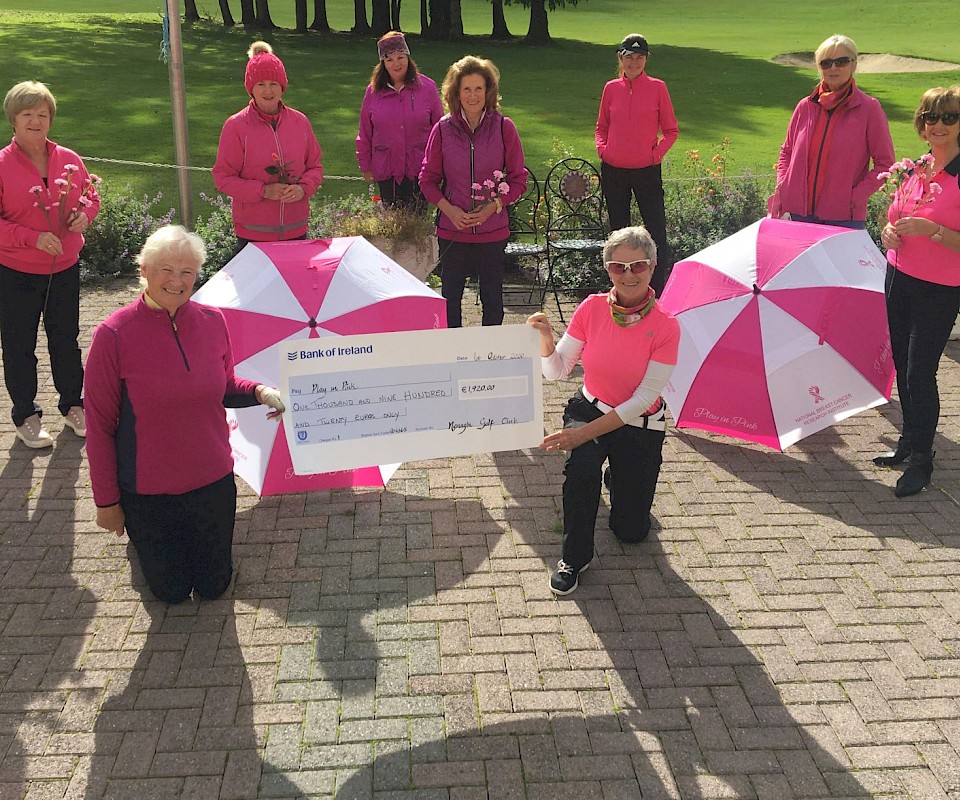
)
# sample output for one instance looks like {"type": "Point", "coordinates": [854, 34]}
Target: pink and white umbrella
{"type": "Point", "coordinates": [784, 332]}
{"type": "Point", "coordinates": [275, 291]}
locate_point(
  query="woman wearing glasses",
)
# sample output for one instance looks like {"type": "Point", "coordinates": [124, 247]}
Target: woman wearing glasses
{"type": "Point", "coordinates": [923, 282]}
{"type": "Point", "coordinates": [627, 346]}
{"type": "Point", "coordinates": [824, 172]}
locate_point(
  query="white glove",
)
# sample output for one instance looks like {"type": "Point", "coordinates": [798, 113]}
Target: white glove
{"type": "Point", "coordinates": [269, 396]}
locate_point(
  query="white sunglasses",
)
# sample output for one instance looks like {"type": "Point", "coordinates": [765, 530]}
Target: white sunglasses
{"type": "Point", "coordinates": [636, 267]}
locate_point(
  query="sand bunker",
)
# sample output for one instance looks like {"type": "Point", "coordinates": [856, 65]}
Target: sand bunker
{"type": "Point", "coordinates": [873, 62]}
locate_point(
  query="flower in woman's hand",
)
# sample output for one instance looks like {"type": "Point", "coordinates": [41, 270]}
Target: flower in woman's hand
{"type": "Point", "coordinates": [68, 168]}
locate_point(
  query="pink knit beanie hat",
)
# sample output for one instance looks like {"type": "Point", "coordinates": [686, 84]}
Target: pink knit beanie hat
{"type": "Point", "coordinates": [263, 66]}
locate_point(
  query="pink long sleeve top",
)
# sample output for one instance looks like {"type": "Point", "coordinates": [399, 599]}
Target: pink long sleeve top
{"type": "Point", "coordinates": [154, 394]}
{"type": "Point", "coordinates": [636, 125]}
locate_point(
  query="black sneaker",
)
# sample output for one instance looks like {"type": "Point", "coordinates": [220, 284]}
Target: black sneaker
{"type": "Point", "coordinates": [566, 579]}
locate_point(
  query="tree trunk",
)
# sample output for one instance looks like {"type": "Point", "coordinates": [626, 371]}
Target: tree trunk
{"type": "Point", "coordinates": [226, 15]}
{"type": "Point", "coordinates": [539, 31]}
{"type": "Point", "coordinates": [395, 15]}
{"type": "Point", "coordinates": [500, 29]}
{"type": "Point", "coordinates": [248, 16]}
{"type": "Point", "coordinates": [190, 13]}
{"type": "Point", "coordinates": [320, 21]}
{"type": "Point", "coordinates": [439, 19]}
{"type": "Point", "coordinates": [264, 22]}
{"type": "Point", "coordinates": [360, 24]}
{"type": "Point", "coordinates": [300, 10]}
{"type": "Point", "coordinates": [424, 19]}
{"type": "Point", "coordinates": [456, 20]}
{"type": "Point", "coordinates": [381, 17]}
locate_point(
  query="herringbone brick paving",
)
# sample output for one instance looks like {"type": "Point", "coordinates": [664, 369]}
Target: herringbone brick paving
{"type": "Point", "coordinates": [791, 631]}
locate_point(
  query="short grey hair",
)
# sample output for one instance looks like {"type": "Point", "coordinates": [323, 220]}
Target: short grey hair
{"type": "Point", "coordinates": [172, 241]}
{"type": "Point", "coordinates": [837, 40]}
{"type": "Point", "coordinates": [28, 94]}
{"type": "Point", "coordinates": [635, 238]}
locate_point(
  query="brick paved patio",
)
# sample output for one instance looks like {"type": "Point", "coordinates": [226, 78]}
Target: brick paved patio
{"type": "Point", "coordinates": [791, 631]}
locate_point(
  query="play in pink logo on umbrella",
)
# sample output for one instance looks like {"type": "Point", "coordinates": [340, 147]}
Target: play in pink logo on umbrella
{"type": "Point", "coordinates": [762, 311]}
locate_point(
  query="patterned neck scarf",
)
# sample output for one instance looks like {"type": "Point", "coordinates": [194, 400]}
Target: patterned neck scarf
{"type": "Point", "coordinates": [625, 317]}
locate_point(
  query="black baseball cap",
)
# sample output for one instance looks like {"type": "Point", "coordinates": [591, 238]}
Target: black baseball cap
{"type": "Point", "coordinates": [634, 43]}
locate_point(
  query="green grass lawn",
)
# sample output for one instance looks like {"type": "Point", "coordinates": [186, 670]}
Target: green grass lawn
{"type": "Point", "coordinates": [100, 57]}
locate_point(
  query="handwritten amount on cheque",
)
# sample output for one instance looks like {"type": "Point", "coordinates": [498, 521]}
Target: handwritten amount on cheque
{"type": "Point", "coordinates": [362, 401]}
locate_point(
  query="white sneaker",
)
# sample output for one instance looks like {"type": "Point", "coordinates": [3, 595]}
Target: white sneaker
{"type": "Point", "coordinates": [32, 434]}
{"type": "Point", "coordinates": [77, 420]}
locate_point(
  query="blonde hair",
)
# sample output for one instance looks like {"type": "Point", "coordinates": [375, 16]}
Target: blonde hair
{"type": "Point", "coordinates": [837, 40]}
{"type": "Point", "coordinates": [28, 94]}
{"type": "Point", "coordinates": [471, 65]}
{"type": "Point", "coordinates": [172, 242]}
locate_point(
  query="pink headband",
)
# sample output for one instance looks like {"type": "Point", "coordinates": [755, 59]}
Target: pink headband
{"type": "Point", "coordinates": [392, 44]}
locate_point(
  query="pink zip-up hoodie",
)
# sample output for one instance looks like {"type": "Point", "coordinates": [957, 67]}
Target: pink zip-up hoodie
{"type": "Point", "coordinates": [249, 145]}
{"type": "Point", "coordinates": [22, 220]}
{"type": "Point", "coordinates": [633, 115]}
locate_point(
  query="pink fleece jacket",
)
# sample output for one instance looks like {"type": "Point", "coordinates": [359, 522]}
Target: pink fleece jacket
{"type": "Point", "coordinates": [633, 115]}
{"type": "Point", "coordinates": [394, 127]}
{"type": "Point", "coordinates": [860, 134]}
{"type": "Point", "coordinates": [154, 394]}
{"type": "Point", "coordinates": [920, 256]}
{"type": "Point", "coordinates": [22, 222]}
{"type": "Point", "coordinates": [249, 146]}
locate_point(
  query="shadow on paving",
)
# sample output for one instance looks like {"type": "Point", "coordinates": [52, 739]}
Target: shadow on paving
{"type": "Point", "coordinates": [46, 618]}
{"type": "Point", "coordinates": [671, 702]}
{"type": "Point", "coordinates": [184, 723]}
{"type": "Point", "coordinates": [843, 496]}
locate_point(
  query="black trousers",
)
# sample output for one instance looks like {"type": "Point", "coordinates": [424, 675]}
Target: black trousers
{"type": "Point", "coordinates": [402, 193]}
{"type": "Point", "coordinates": [22, 297]}
{"type": "Point", "coordinates": [646, 185]}
{"type": "Point", "coordinates": [184, 542]}
{"type": "Point", "coordinates": [635, 456]}
{"type": "Point", "coordinates": [460, 259]}
{"type": "Point", "coordinates": [921, 315]}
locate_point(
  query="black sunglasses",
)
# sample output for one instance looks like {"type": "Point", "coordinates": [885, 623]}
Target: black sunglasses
{"type": "Point", "coordinates": [840, 62]}
{"type": "Point", "coordinates": [947, 117]}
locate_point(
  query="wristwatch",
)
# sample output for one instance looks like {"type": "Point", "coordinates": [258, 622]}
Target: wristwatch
{"type": "Point", "coordinates": [938, 236]}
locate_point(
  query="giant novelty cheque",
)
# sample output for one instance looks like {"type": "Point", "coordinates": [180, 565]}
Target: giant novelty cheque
{"type": "Point", "coordinates": [391, 397]}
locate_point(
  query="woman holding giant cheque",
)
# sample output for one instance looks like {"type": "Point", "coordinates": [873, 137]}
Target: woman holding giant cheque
{"type": "Point", "coordinates": [400, 108]}
{"type": "Point", "coordinates": [268, 159]}
{"type": "Point", "coordinates": [627, 346]}
{"type": "Point", "coordinates": [472, 170]}
{"type": "Point", "coordinates": [159, 374]}
{"type": "Point", "coordinates": [922, 239]}
{"type": "Point", "coordinates": [824, 172]}
{"type": "Point", "coordinates": [47, 201]}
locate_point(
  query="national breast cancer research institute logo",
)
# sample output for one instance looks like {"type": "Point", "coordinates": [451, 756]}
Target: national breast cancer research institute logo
{"type": "Point", "coordinates": [815, 394]}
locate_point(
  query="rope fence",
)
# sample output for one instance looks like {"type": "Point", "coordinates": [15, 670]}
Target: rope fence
{"type": "Point", "coordinates": [125, 162]}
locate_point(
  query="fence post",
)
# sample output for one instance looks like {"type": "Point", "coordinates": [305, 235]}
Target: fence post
{"type": "Point", "coordinates": [178, 101]}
